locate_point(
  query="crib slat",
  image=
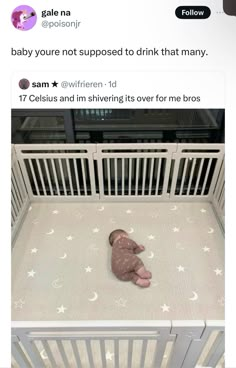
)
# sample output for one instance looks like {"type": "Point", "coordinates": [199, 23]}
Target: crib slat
{"type": "Point", "coordinates": [15, 199]}
{"type": "Point", "coordinates": [84, 177]}
{"type": "Point", "coordinates": [76, 354]}
{"type": "Point", "coordinates": [199, 176]}
{"type": "Point", "coordinates": [76, 176]}
{"type": "Point", "coordinates": [63, 353]}
{"type": "Point", "coordinates": [183, 176]}
{"type": "Point", "coordinates": [143, 353]}
{"type": "Point", "coordinates": [159, 163]}
{"type": "Point", "coordinates": [116, 179]}
{"type": "Point", "coordinates": [215, 352]}
{"type": "Point", "coordinates": [55, 176]}
{"type": "Point", "coordinates": [34, 177]}
{"type": "Point", "coordinates": [130, 174]}
{"type": "Point", "coordinates": [191, 176]}
{"type": "Point", "coordinates": [14, 210]}
{"type": "Point", "coordinates": [144, 175]}
{"type": "Point", "coordinates": [15, 184]}
{"type": "Point", "coordinates": [117, 353]}
{"type": "Point", "coordinates": [41, 176]}
{"type": "Point", "coordinates": [206, 176]}
{"type": "Point", "coordinates": [89, 353]}
{"type": "Point", "coordinates": [123, 175]}
{"type": "Point", "coordinates": [103, 353]}
{"type": "Point", "coordinates": [151, 176]}
{"type": "Point", "coordinates": [48, 176]}
{"type": "Point", "coordinates": [130, 352]}
{"type": "Point", "coordinates": [108, 176]}
{"type": "Point", "coordinates": [137, 177]}
{"type": "Point", "coordinates": [62, 176]}
{"type": "Point", "coordinates": [19, 356]}
{"type": "Point", "coordinates": [159, 352]}
{"type": "Point", "coordinates": [49, 353]}
{"type": "Point", "coordinates": [69, 174]}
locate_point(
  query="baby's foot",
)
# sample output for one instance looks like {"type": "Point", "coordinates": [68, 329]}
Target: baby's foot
{"type": "Point", "coordinates": [144, 274]}
{"type": "Point", "coordinates": [143, 282]}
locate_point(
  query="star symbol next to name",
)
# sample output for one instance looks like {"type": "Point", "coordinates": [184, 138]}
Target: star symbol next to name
{"type": "Point", "coordinates": [165, 308]}
{"type": "Point", "coordinates": [54, 84]}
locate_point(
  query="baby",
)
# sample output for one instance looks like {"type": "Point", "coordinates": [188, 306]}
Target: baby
{"type": "Point", "coordinates": [124, 262]}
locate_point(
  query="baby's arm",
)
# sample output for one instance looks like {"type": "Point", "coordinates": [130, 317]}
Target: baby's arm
{"type": "Point", "coordinates": [138, 248]}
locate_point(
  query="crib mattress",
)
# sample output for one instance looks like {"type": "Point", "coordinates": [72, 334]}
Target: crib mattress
{"type": "Point", "coordinates": [61, 267]}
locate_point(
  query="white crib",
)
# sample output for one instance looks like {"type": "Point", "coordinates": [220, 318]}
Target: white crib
{"type": "Point", "coordinates": [117, 173]}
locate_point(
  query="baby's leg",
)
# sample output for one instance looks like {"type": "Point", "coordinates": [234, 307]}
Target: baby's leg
{"type": "Point", "coordinates": [132, 276]}
{"type": "Point", "coordinates": [143, 273]}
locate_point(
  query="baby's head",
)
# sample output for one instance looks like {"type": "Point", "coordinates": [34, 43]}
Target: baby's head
{"type": "Point", "coordinates": [117, 234]}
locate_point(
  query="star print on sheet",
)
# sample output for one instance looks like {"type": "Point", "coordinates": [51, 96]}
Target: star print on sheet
{"type": "Point", "coordinates": [109, 355]}
{"type": "Point", "coordinates": [206, 249]}
{"type": "Point", "coordinates": [176, 229]}
{"type": "Point", "coordinates": [218, 272]}
{"type": "Point", "coordinates": [151, 237]}
{"type": "Point", "coordinates": [19, 304]}
{"type": "Point", "coordinates": [31, 273]}
{"type": "Point", "coordinates": [121, 302]}
{"type": "Point", "coordinates": [96, 230]}
{"type": "Point", "coordinates": [34, 250]}
{"type": "Point", "coordinates": [180, 268]}
{"type": "Point", "coordinates": [88, 269]}
{"type": "Point", "coordinates": [61, 309]}
{"type": "Point", "coordinates": [55, 212]}
{"type": "Point", "coordinates": [203, 210]}
{"type": "Point", "coordinates": [128, 212]}
{"type": "Point", "coordinates": [165, 308]}
{"type": "Point", "coordinates": [69, 237]}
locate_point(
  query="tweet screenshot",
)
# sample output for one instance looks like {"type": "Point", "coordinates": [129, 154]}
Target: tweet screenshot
{"type": "Point", "coordinates": [119, 121]}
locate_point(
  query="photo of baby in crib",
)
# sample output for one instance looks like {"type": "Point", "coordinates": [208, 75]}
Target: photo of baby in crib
{"type": "Point", "coordinates": [125, 264]}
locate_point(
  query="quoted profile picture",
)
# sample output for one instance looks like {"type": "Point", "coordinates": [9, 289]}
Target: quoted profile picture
{"type": "Point", "coordinates": [24, 83]}
{"type": "Point", "coordinates": [24, 18]}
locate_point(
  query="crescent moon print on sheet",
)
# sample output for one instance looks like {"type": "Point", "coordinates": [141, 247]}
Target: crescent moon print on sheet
{"type": "Point", "coordinates": [151, 256]}
{"type": "Point", "coordinates": [131, 230]}
{"type": "Point", "coordinates": [56, 284]}
{"type": "Point", "coordinates": [44, 357]}
{"type": "Point", "coordinates": [174, 208]}
{"type": "Point", "coordinates": [101, 209]}
{"type": "Point", "coordinates": [50, 232]}
{"type": "Point", "coordinates": [211, 230]}
{"type": "Point", "coordinates": [94, 298]}
{"type": "Point", "coordinates": [64, 256]}
{"type": "Point", "coordinates": [195, 296]}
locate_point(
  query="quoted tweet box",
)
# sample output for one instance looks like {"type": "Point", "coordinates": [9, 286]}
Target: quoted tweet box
{"type": "Point", "coordinates": [118, 90]}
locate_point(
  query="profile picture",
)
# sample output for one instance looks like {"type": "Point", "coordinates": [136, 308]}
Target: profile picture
{"type": "Point", "coordinates": [23, 18]}
{"type": "Point", "coordinates": [24, 83]}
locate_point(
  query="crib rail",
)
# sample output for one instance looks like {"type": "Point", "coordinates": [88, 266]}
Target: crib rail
{"type": "Point", "coordinates": [116, 172]}
{"type": "Point", "coordinates": [19, 196]}
{"type": "Point", "coordinates": [149, 344]}
{"type": "Point", "coordinates": [219, 194]}
{"type": "Point", "coordinates": [53, 171]}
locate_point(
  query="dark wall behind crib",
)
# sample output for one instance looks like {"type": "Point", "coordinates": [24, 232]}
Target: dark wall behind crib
{"type": "Point", "coordinates": [118, 126]}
